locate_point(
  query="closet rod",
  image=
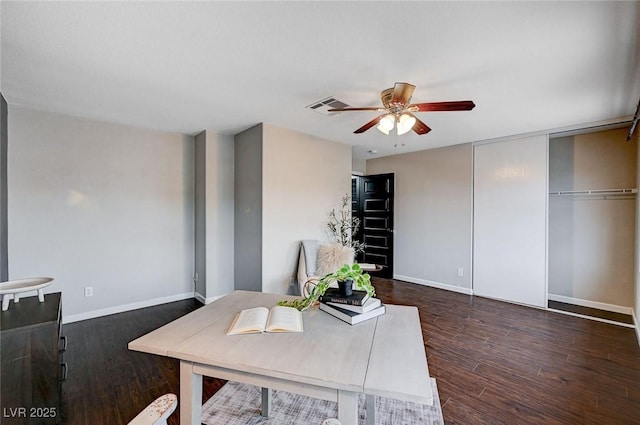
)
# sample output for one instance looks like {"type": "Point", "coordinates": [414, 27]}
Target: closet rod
{"type": "Point", "coordinates": [595, 192]}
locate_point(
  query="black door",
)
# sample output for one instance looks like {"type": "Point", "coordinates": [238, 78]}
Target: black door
{"type": "Point", "coordinates": [374, 206]}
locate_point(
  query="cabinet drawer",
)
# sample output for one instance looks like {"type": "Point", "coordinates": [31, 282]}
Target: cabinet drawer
{"type": "Point", "coordinates": [30, 368]}
{"type": "Point", "coordinates": [62, 344]}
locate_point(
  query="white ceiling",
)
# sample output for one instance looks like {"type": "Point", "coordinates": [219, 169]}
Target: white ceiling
{"type": "Point", "coordinates": [188, 66]}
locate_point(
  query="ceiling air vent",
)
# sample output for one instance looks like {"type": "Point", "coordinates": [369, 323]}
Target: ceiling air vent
{"type": "Point", "coordinates": [323, 106]}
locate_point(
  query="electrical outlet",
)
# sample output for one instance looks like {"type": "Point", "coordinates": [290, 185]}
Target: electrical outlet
{"type": "Point", "coordinates": [460, 272]}
{"type": "Point", "coordinates": [88, 291]}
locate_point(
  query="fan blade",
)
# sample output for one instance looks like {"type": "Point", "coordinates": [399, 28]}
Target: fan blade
{"type": "Point", "coordinates": [419, 127]}
{"type": "Point", "coordinates": [356, 109]}
{"type": "Point", "coordinates": [402, 93]}
{"type": "Point", "coordinates": [370, 124]}
{"type": "Point", "coordinates": [462, 105]}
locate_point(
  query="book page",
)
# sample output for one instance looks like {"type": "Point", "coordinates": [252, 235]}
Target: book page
{"type": "Point", "coordinates": [284, 319]}
{"type": "Point", "coordinates": [252, 320]}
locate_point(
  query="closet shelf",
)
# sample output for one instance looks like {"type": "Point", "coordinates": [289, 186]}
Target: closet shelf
{"type": "Point", "coordinates": [597, 192]}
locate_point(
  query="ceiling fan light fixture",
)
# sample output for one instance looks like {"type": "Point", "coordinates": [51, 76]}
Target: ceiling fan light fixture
{"type": "Point", "coordinates": [399, 111]}
{"type": "Point", "coordinates": [405, 123]}
{"type": "Point", "coordinates": [386, 124]}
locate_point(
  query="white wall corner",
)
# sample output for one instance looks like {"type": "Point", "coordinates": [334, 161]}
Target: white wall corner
{"type": "Point", "coordinates": [198, 296]}
{"type": "Point", "coordinates": [208, 300]}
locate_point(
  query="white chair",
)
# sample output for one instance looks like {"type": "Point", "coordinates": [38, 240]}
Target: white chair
{"type": "Point", "coordinates": [157, 412]}
{"type": "Point", "coordinates": [307, 264]}
{"type": "Point", "coordinates": [317, 259]}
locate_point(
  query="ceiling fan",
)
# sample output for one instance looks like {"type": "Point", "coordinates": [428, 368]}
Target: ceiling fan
{"type": "Point", "coordinates": [399, 112]}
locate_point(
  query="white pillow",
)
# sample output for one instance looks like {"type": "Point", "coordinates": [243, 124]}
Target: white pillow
{"type": "Point", "coordinates": [331, 257]}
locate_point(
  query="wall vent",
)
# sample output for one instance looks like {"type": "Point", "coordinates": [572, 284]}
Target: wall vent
{"type": "Point", "coordinates": [323, 106]}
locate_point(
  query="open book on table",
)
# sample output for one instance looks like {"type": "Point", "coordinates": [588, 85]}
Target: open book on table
{"type": "Point", "coordinates": [261, 319]}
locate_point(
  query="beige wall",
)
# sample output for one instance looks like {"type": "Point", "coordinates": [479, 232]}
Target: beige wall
{"type": "Point", "coordinates": [592, 239]}
{"type": "Point", "coordinates": [359, 166]}
{"type": "Point", "coordinates": [433, 211]}
{"type": "Point", "coordinates": [303, 178]}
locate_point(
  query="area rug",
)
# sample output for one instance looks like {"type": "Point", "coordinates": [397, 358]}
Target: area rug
{"type": "Point", "coordinates": [240, 404]}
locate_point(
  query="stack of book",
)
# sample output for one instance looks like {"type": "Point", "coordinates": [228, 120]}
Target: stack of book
{"type": "Point", "coordinates": [353, 309]}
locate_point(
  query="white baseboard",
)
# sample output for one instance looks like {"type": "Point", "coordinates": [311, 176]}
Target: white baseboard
{"type": "Point", "coordinates": [591, 304]}
{"type": "Point", "coordinates": [127, 307]}
{"type": "Point", "coordinates": [208, 300]}
{"type": "Point", "coordinates": [433, 284]}
{"type": "Point", "coordinates": [198, 296]}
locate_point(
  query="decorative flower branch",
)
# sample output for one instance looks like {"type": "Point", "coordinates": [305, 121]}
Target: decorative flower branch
{"type": "Point", "coordinates": [343, 226]}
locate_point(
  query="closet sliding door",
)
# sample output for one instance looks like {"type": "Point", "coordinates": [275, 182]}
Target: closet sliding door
{"type": "Point", "coordinates": [510, 220]}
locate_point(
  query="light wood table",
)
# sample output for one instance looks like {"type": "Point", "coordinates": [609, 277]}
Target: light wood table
{"type": "Point", "coordinates": [330, 360]}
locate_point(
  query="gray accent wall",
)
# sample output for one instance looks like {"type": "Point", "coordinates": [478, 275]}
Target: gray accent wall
{"type": "Point", "coordinates": [4, 252]}
{"type": "Point", "coordinates": [200, 236]}
{"type": "Point", "coordinates": [248, 209]}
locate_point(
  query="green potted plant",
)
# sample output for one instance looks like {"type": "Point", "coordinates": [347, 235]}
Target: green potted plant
{"type": "Point", "coordinates": [346, 276]}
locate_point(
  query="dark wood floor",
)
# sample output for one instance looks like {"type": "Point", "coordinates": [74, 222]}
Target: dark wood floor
{"type": "Point", "coordinates": [108, 384]}
{"type": "Point", "coordinates": [626, 319]}
{"type": "Point", "coordinates": [494, 362]}
{"type": "Point", "coordinates": [499, 363]}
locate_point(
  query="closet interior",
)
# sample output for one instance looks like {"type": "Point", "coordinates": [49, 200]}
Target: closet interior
{"type": "Point", "coordinates": [592, 219]}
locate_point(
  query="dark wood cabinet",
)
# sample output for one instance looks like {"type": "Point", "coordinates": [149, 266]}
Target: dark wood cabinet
{"type": "Point", "coordinates": [31, 358]}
